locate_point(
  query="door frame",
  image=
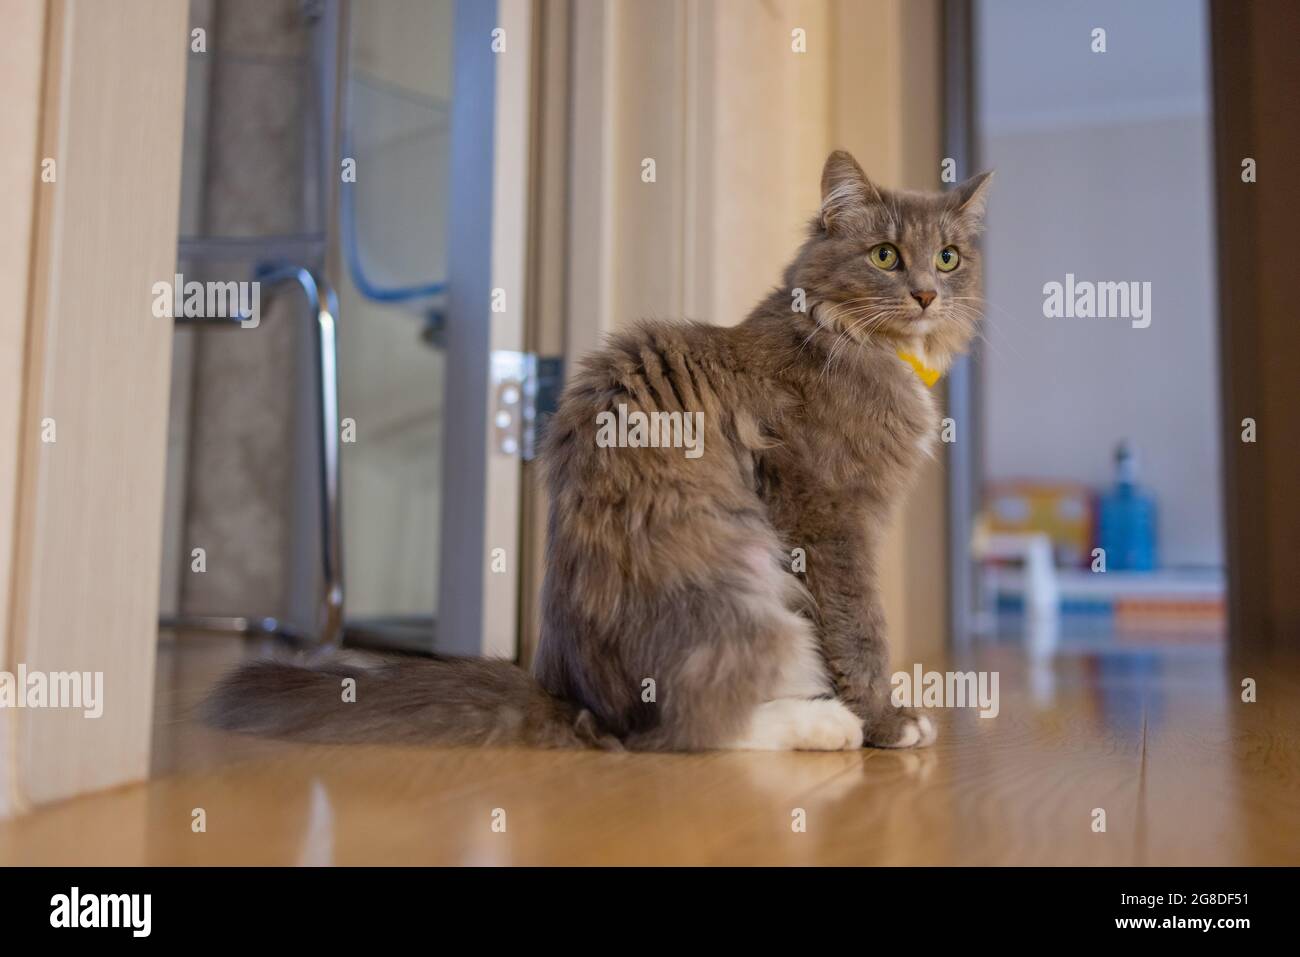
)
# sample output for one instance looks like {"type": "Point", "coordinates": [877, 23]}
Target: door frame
{"type": "Point", "coordinates": [963, 379]}
{"type": "Point", "coordinates": [1252, 75]}
{"type": "Point", "coordinates": [488, 222]}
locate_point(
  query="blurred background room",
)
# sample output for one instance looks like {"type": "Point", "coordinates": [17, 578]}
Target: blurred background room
{"type": "Point", "coordinates": [1100, 433]}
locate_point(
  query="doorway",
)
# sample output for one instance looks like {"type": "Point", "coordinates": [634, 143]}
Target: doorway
{"type": "Point", "coordinates": [1095, 481]}
{"type": "Point", "coordinates": [335, 466]}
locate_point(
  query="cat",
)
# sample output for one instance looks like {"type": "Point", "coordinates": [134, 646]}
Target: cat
{"type": "Point", "coordinates": [726, 599]}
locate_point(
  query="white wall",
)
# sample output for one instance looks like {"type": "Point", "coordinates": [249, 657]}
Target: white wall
{"type": "Point", "coordinates": [1103, 170]}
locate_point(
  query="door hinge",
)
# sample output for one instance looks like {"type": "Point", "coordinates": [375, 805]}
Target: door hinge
{"type": "Point", "coordinates": [526, 390]}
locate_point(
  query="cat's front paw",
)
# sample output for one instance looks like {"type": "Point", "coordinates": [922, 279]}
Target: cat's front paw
{"type": "Point", "coordinates": [899, 728]}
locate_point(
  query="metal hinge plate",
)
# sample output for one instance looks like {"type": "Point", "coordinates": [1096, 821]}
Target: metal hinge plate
{"type": "Point", "coordinates": [526, 390]}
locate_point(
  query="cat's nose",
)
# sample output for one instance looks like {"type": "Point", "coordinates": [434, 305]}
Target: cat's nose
{"type": "Point", "coordinates": [923, 296]}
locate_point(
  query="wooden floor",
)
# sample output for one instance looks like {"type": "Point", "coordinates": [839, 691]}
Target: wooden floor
{"type": "Point", "coordinates": [1186, 774]}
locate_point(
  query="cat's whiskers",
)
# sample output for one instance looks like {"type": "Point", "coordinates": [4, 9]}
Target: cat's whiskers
{"type": "Point", "coordinates": [842, 337]}
{"type": "Point", "coordinates": [872, 321]}
{"type": "Point", "coordinates": [838, 311]}
{"type": "Point", "coordinates": [818, 326]}
{"type": "Point", "coordinates": [977, 332]}
{"type": "Point", "coordinates": [969, 310]}
{"type": "Point", "coordinates": [981, 307]}
{"type": "Point", "coordinates": [849, 302]}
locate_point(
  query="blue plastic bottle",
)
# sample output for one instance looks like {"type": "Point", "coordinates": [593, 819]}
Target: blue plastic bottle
{"type": "Point", "coordinates": [1126, 523]}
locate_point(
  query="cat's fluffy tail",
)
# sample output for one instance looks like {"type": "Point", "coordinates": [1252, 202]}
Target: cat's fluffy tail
{"type": "Point", "coordinates": [344, 697]}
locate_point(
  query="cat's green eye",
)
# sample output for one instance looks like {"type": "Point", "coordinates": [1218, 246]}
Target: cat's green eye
{"type": "Point", "coordinates": [947, 259]}
{"type": "Point", "coordinates": [884, 256]}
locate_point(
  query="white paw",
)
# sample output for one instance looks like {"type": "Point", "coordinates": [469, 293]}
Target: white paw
{"type": "Point", "coordinates": [795, 724]}
{"type": "Point", "coordinates": [929, 733]}
{"type": "Point", "coordinates": [914, 732]}
{"type": "Point", "coordinates": [832, 727]}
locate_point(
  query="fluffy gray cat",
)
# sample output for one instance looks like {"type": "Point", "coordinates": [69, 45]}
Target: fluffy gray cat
{"type": "Point", "coordinates": [673, 617]}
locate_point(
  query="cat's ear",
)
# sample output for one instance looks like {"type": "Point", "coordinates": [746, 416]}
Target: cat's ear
{"type": "Point", "coordinates": [845, 189]}
{"type": "Point", "coordinates": [971, 196]}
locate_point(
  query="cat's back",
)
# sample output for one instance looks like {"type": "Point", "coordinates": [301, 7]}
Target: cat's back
{"type": "Point", "coordinates": [669, 365]}
{"type": "Point", "coordinates": [658, 390]}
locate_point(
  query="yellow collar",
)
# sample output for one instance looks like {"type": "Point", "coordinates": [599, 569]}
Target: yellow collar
{"type": "Point", "coordinates": [924, 372]}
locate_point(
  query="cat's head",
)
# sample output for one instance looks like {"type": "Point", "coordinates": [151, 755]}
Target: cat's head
{"type": "Point", "coordinates": [896, 265]}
